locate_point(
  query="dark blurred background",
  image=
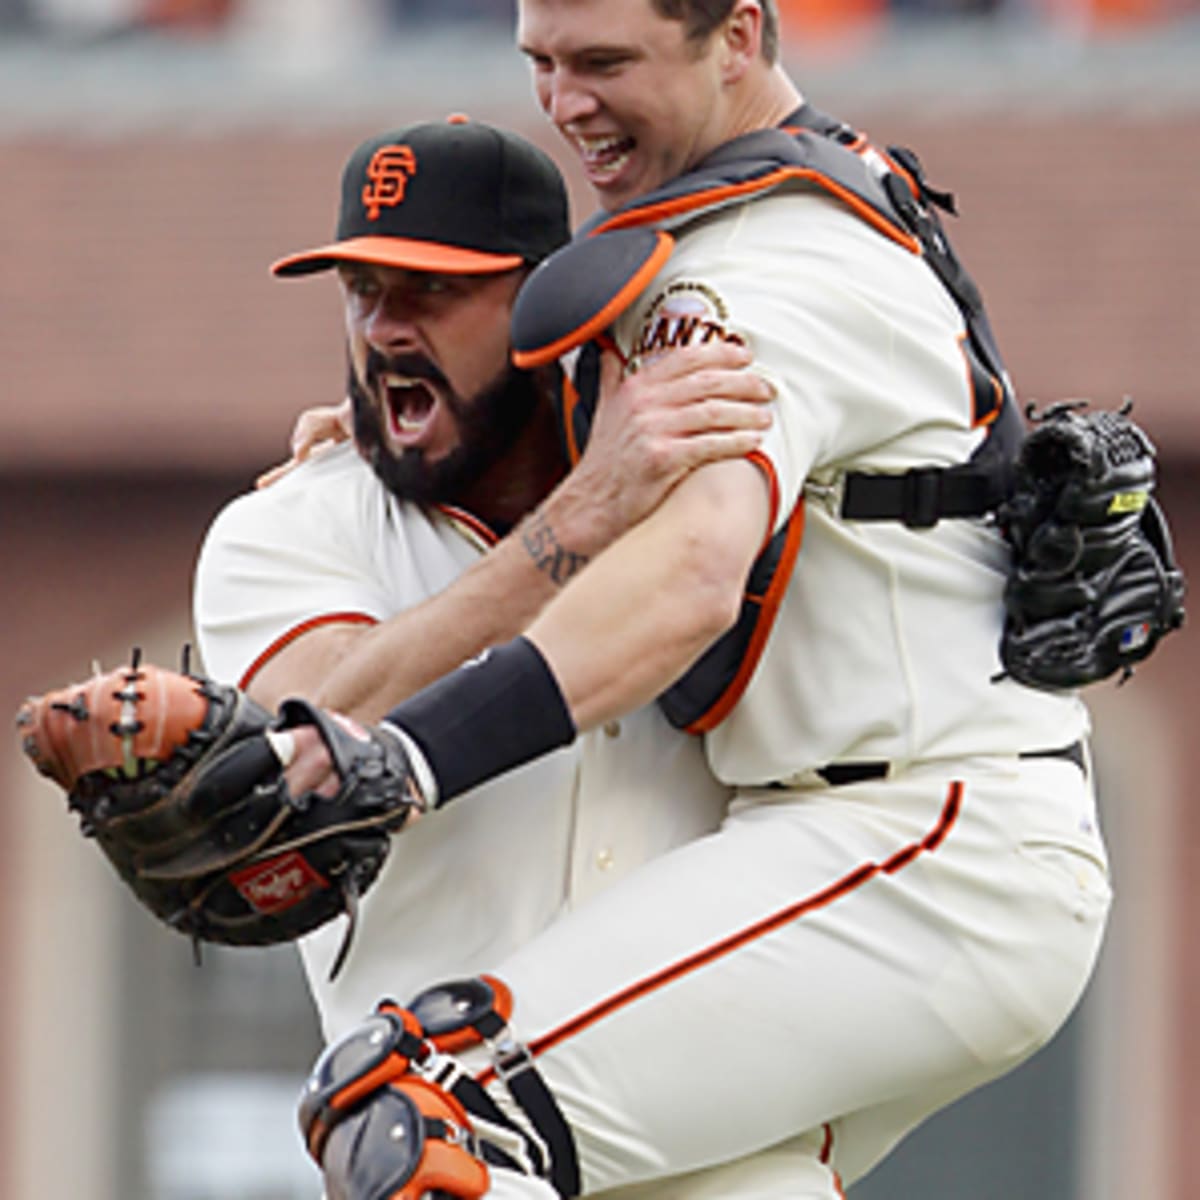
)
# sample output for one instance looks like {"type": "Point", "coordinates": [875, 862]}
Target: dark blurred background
{"type": "Point", "coordinates": [157, 155]}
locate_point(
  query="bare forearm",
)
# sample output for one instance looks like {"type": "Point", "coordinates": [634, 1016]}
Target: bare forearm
{"type": "Point", "coordinates": [492, 602]}
{"type": "Point", "coordinates": [363, 670]}
{"type": "Point", "coordinates": [653, 602]}
{"type": "Point", "coordinates": [618, 635]}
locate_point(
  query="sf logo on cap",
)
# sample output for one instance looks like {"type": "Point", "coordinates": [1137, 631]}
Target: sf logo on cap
{"type": "Point", "coordinates": [388, 173]}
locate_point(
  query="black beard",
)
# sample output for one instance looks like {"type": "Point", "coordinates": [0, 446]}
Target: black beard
{"type": "Point", "coordinates": [488, 425]}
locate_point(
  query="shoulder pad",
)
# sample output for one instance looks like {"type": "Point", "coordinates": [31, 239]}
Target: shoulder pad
{"type": "Point", "coordinates": [581, 289]}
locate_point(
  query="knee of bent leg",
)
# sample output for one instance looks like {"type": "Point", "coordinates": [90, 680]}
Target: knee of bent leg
{"type": "Point", "coordinates": [410, 1141]}
{"type": "Point", "coordinates": [390, 1107]}
{"type": "Point", "coordinates": [376, 1128]}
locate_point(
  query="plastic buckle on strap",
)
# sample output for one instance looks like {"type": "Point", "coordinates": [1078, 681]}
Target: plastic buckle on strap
{"type": "Point", "coordinates": [510, 1057]}
{"type": "Point", "coordinates": [441, 1069]}
{"type": "Point", "coordinates": [921, 497]}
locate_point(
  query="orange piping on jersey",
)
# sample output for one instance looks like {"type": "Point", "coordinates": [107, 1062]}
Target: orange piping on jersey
{"type": "Point", "coordinates": [570, 400]}
{"type": "Point", "coordinates": [826, 1154]}
{"type": "Point", "coordinates": [989, 413]}
{"type": "Point", "coordinates": [825, 1158]}
{"type": "Point", "coordinates": [763, 463]}
{"type": "Point", "coordinates": [732, 191]}
{"type": "Point", "coordinates": [607, 342]}
{"type": "Point", "coordinates": [769, 605]}
{"type": "Point", "coordinates": [473, 523]}
{"type": "Point", "coordinates": [848, 883]}
{"type": "Point", "coordinates": [629, 291]}
{"type": "Point", "coordinates": [298, 631]}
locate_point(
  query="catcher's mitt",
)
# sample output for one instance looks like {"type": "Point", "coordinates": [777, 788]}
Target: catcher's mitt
{"type": "Point", "coordinates": [177, 779]}
{"type": "Point", "coordinates": [1094, 585]}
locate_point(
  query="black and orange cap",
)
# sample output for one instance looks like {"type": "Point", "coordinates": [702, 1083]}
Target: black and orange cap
{"type": "Point", "coordinates": [456, 196]}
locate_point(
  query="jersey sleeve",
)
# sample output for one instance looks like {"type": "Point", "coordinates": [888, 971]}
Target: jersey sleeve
{"type": "Point", "coordinates": [853, 330]}
{"type": "Point", "coordinates": [282, 560]}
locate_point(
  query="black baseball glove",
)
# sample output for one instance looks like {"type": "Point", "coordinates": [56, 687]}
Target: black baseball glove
{"type": "Point", "coordinates": [178, 780]}
{"type": "Point", "coordinates": [1094, 585]}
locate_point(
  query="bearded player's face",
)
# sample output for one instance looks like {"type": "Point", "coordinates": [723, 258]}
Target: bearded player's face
{"type": "Point", "coordinates": [435, 400]}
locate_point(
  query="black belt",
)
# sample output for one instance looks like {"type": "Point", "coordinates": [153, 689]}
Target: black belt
{"type": "Point", "coordinates": [1076, 752]}
{"type": "Point", "coordinates": [840, 774]}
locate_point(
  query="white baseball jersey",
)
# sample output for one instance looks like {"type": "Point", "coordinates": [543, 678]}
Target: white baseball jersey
{"type": "Point", "coordinates": [887, 640]}
{"type": "Point", "coordinates": [470, 882]}
{"type": "Point", "coordinates": [836, 962]}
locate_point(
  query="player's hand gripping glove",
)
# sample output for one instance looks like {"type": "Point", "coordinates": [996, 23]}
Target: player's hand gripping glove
{"type": "Point", "coordinates": [178, 779]}
{"type": "Point", "coordinates": [1094, 585]}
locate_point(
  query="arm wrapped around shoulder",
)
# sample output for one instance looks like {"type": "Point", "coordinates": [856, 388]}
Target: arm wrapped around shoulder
{"type": "Point", "coordinates": [1094, 584]}
{"type": "Point", "coordinates": [179, 781]}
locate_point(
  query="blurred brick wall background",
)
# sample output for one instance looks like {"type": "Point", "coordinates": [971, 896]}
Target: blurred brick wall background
{"type": "Point", "coordinates": [142, 329]}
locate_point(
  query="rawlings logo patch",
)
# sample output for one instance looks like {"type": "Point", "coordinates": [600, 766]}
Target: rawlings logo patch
{"type": "Point", "coordinates": [388, 174]}
{"type": "Point", "coordinates": [278, 883]}
{"type": "Point", "coordinates": [686, 314]}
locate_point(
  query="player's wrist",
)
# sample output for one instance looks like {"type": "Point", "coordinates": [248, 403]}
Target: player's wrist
{"type": "Point", "coordinates": [422, 772]}
{"type": "Point", "coordinates": [495, 713]}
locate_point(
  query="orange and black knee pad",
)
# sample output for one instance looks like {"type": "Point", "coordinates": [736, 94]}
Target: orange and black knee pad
{"type": "Point", "coordinates": [379, 1131]}
{"type": "Point", "coordinates": [389, 1114]}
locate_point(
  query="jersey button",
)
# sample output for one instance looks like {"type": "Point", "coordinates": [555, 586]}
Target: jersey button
{"type": "Point", "coordinates": [612, 728]}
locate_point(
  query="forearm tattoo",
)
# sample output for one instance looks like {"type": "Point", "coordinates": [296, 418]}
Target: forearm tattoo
{"type": "Point", "coordinates": [541, 544]}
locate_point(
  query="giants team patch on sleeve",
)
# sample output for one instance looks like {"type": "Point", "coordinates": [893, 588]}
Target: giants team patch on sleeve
{"type": "Point", "coordinates": [687, 313]}
{"type": "Point", "coordinates": [278, 883]}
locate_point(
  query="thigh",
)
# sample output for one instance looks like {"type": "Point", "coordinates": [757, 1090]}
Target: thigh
{"type": "Point", "coordinates": [794, 1170]}
{"type": "Point", "coordinates": [821, 955]}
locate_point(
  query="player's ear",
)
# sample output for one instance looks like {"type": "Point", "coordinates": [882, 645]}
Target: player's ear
{"type": "Point", "coordinates": [741, 40]}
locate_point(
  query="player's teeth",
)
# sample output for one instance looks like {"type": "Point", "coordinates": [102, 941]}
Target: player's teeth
{"type": "Point", "coordinates": [605, 156]}
{"type": "Point", "coordinates": [614, 167]}
{"type": "Point", "coordinates": [594, 147]}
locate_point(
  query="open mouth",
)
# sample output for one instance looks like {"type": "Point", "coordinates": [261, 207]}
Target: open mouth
{"type": "Point", "coordinates": [604, 157]}
{"type": "Point", "coordinates": [411, 403]}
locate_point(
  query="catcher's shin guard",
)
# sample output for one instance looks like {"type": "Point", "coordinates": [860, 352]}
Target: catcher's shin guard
{"type": "Point", "coordinates": [470, 1012]}
{"type": "Point", "coordinates": [388, 1114]}
{"type": "Point", "coordinates": [380, 1132]}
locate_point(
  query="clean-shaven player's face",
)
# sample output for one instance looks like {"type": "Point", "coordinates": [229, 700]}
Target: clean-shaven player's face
{"type": "Point", "coordinates": [436, 402]}
{"type": "Point", "coordinates": [637, 99]}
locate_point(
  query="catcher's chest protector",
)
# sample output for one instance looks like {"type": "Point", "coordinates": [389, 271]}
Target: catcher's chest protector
{"type": "Point", "coordinates": [569, 303]}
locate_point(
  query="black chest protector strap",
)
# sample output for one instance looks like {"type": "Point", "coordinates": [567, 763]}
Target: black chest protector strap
{"type": "Point", "coordinates": [572, 299]}
{"type": "Point", "coordinates": [922, 496]}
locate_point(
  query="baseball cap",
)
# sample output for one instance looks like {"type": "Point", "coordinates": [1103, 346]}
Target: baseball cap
{"type": "Point", "coordinates": [456, 196]}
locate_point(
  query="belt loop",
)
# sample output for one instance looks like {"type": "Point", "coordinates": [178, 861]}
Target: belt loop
{"type": "Point", "coordinates": [839, 774]}
{"type": "Point", "coordinates": [1076, 752]}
